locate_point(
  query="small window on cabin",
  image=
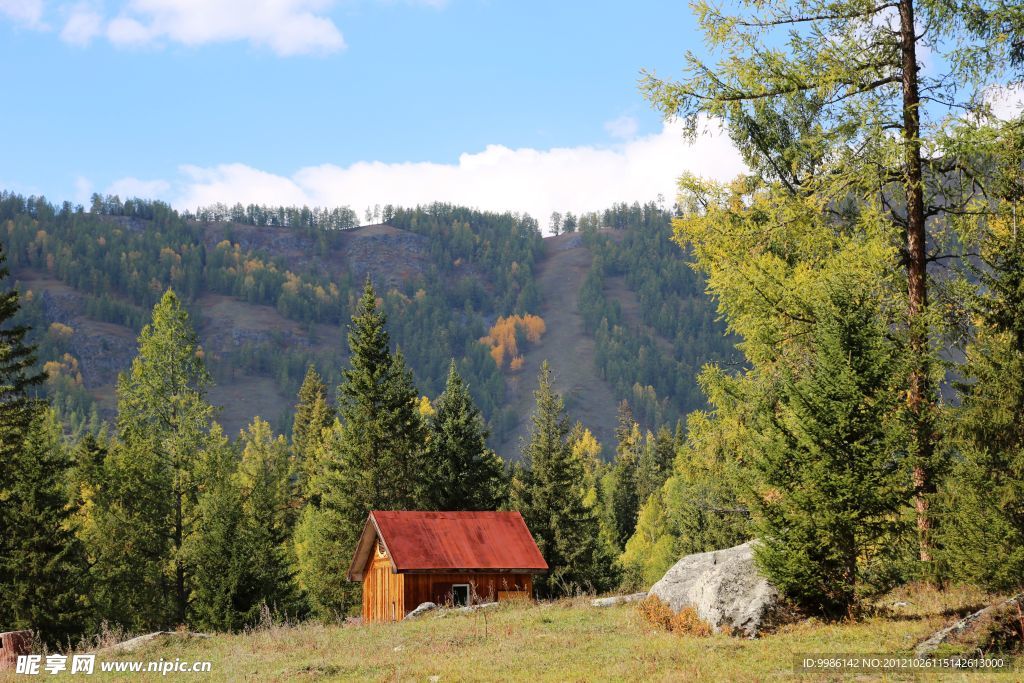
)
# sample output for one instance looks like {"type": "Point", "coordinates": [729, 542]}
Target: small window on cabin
{"type": "Point", "coordinates": [460, 594]}
{"type": "Point", "coordinates": [381, 552]}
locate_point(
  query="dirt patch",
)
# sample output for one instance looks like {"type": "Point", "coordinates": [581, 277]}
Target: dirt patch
{"type": "Point", "coordinates": [246, 397]}
{"type": "Point", "coordinates": [566, 346]}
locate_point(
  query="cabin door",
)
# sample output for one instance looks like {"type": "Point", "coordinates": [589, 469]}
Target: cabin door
{"type": "Point", "coordinates": [460, 594]}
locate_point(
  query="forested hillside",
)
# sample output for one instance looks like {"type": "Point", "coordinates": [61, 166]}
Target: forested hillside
{"type": "Point", "coordinates": [270, 288]}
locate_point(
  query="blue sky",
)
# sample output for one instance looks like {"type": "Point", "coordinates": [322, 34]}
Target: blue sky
{"type": "Point", "coordinates": [506, 105]}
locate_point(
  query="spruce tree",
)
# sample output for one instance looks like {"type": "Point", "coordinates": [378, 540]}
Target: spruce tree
{"type": "Point", "coordinates": [655, 463]}
{"type": "Point", "coordinates": [17, 408]}
{"type": "Point", "coordinates": [464, 473]}
{"type": "Point", "coordinates": [983, 529]}
{"type": "Point", "coordinates": [550, 494]}
{"type": "Point", "coordinates": [623, 500]}
{"type": "Point", "coordinates": [830, 481]}
{"type": "Point", "coordinates": [374, 457]}
{"type": "Point", "coordinates": [313, 414]}
{"type": "Point", "coordinates": [217, 551]}
{"type": "Point", "coordinates": [43, 566]}
{"type": "Point", "coordinates": [239, 549]}
{"type": "Point", "coordinates": [263, 477]}
{"type": "Point", "coordinates": [150, 481]}
{"type": "Point", "coordinates": [18, 375]}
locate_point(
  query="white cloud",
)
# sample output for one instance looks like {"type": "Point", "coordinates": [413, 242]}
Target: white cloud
{"type": "Point", "coordinates": [498, 178]}
{"type": "Point", "coordinates": [623, 128]}
{"type": "Point", "coordinates": [288, 27]}
{"type": "Point", "coordinates": [83, 190]}
{"type": "Point", "coordinates": [128, 188]}
{"type": "Point", "coordinates": [27, 12]}
{"type": "Point", "coordinates": [1007, 102]}
{"type": "Point", "coordinates": [127, 32]}
{"type": "Point", "coordinates": [83, 24]}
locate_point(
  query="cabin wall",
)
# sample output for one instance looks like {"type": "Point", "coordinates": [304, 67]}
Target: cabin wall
{"type": "Point", "coordinates": [436, 588]}
{"type": "Point", "coordinates": [383, 592]}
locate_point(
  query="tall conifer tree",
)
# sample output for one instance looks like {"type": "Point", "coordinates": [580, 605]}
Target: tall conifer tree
{"type": "Point", "coordinates": [831, 465]}
{"type": "Point", "coordinates": [984, 521]}
{"type": "Point", "coordinates": [550, 494]}
{"type": "Point", "coordinates": [465, 474]}
{"type": "Point", "coordinates": [149, 506]}
{"type": "Point", "coordinates": [624, 501]}
{"type": "Point", "coordinates": [313, 414]}
{"type": "Point", "coordinates": [828, 102]}
{"type": "Point", "coordinates": [374, 457]}
{"type": "Point", "coordinates": [17, 375]}
{"type": "Point", "coordinates": [43, 566]}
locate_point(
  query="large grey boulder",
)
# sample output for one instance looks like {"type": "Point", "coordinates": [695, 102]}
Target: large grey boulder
{"type": "Point", "coordinates": [725, 588]}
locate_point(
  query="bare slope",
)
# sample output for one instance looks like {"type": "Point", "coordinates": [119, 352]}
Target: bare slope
{"type": "Point", "coordinates": [566, 346]}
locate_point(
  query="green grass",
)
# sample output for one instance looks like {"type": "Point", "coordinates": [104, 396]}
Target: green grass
{"type": "Point", "coordinates": [561, 641]}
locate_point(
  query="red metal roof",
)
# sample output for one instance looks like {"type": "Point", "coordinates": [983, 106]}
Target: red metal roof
{"type": "Point", "coordinates": [448, 541]}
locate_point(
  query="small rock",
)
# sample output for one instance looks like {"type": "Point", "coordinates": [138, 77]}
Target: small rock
{"type": "Point", "coordinates": [423, 608]}
{"type": "Point", "coordinates": [474, 608]}
{"type": "Point", "coordinates": [434, 679]}
{"type": "Point", "coordinates": [135, 643]}
{"type": "Point", "coordinates": [618, 600]}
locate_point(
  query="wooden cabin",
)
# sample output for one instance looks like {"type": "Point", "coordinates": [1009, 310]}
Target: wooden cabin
{"type": "Point", "coordinates": [449, 558]}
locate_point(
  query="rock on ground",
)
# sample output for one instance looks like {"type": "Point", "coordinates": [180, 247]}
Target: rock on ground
{"type": "Point", "coordinates": [617, 600]}
{"type": "Point", "coordinates": [135, 643]}
{"type": "Point", "coordinates": [724, 587]}
{"type": "Point", "coordinates": [423, 608]}
{"type": "Point", "coordinates": [963, 632]}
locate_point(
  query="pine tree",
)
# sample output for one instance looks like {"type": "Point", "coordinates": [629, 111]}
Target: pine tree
{"type": "Point", "coordinates": [549, 493]}
{"type": "Point", "coordinates": [313, 414]}
{"type": "Point", "coordinates": [43, 566]}
{"type": "Point", "coordinates": [831, 471]}
{"type": "Point", "coordinates": [464, 473]}
{"type": "Point", "coordinates": [150, 481]}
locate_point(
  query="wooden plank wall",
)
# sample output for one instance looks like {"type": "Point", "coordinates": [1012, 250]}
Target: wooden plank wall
{"type": "Point", "coordinates": [437, 588]}
{"type": "Point", "coordinates": [383, 592]}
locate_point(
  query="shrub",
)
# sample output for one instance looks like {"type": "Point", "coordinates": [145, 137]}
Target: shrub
{"type": "Point", "coordinates": [686, 622]}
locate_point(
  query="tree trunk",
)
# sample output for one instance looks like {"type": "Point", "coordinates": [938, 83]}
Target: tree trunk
{"type": "Point", "coordinates": [919, 395]}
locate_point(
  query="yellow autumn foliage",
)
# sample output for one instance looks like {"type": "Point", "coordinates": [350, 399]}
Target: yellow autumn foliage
{"type": "Point", "coordinates": [503, 338]}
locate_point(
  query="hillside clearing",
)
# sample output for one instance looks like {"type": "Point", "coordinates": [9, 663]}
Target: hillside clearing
{"type": "Point", "coordinates": [566, 346]}
{"type": "Point", "coordinates": [562, 641]}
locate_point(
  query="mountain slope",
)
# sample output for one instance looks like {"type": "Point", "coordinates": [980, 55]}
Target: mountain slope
{"type": "Point", "coordinates": [566, 346]}
{"type": "Point", "coordinates": [269, 297]}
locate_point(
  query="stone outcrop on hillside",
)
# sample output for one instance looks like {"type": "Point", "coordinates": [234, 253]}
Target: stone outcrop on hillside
{"type": "Point", "coordinates": [724, 587]}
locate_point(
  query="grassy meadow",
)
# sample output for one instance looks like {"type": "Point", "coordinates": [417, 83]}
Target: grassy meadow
{"type": "Point", "coordinates": [565, 640]}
